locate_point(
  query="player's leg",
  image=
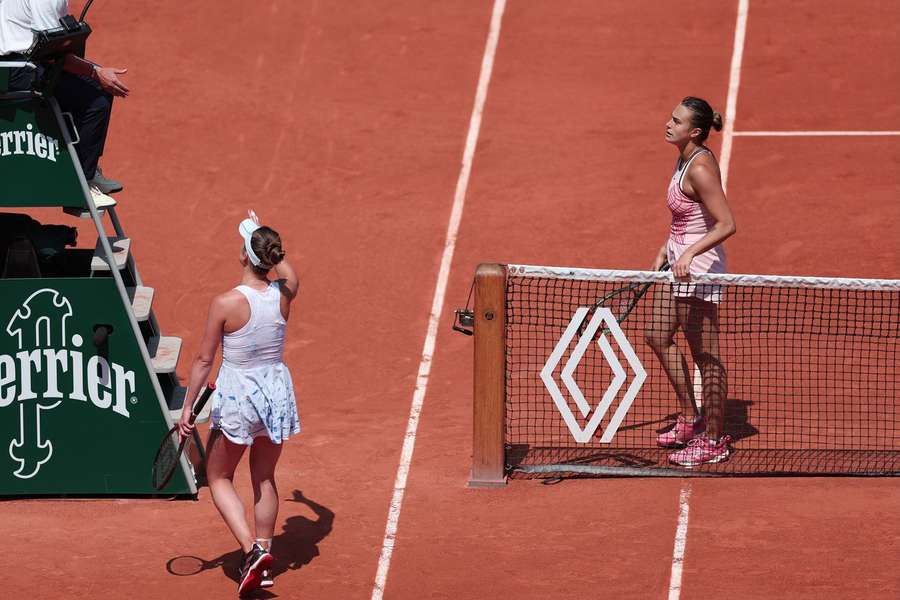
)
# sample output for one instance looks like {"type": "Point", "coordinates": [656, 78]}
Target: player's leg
{"type": "Point", "coordinates": [264, 457]}
{"type": "Point", "coordinates": [660, 335]}
{"type": "Point", "coordinates": [700, 322]}
{"type": "Point", "coordinates": [222, 458]}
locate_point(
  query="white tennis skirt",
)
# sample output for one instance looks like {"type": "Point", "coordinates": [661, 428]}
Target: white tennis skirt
{"type": "Point", "coordinates": [249, 403]}
{"type": "Point", "coordinates": [711, 261]}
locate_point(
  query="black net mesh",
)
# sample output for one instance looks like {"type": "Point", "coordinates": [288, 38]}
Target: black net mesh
{"type": "Point", "coordinates": [805, 376]}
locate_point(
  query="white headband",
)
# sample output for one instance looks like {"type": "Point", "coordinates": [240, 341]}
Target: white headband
{"type": "Point", "coordinates": [246, 229]}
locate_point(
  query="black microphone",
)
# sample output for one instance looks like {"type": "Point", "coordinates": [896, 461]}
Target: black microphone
{"type": "Point", "coordinates": [84, 11]}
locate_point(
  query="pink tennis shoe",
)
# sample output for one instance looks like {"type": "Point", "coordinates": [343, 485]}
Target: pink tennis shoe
{"type": "Point", "coordinates": [702, 451]}
{"type": "Point", "coordinates": [684, 431]}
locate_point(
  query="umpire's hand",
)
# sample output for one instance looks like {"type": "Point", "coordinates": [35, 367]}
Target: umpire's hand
{"type": "Point", "coordinates": [108, 78]}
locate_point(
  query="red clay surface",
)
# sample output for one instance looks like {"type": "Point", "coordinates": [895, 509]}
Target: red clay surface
{"type": "Point", "coordinates": [343, 126]}
{"type": "Point", "coordinates": [821, 66]}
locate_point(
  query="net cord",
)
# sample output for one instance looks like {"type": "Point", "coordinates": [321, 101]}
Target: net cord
{"type": "Point", "coordinates": [579, 274]}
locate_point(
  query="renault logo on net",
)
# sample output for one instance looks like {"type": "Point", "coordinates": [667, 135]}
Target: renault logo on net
{"type": "Point", "coordinates": [604, 317]}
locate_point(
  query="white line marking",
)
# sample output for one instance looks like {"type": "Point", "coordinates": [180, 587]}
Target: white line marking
{"type": "Point", "coordinates": [680, 541]}
{"type": "Point", "coordinates": [409, 441]}
{"type": "Point", "coordinates": [812, 133]}
{"type": "Point", "coordinates": [734, 82]}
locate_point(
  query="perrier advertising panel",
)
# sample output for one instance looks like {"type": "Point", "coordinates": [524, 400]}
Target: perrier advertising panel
{"type": "Point", "coordinates": [75, 417]}
{"type": "Point", "coordinates": [35, 167]}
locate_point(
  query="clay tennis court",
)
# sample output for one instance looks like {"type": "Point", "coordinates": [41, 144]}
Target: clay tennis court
{"type": "Point", "coordinates": [345, 125]}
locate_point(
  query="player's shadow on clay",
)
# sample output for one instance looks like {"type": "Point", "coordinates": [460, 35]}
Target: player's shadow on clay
{"type": "Point", "coordinates": [295, 546]}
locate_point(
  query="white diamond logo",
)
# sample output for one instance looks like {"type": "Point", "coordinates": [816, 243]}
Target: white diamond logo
{"type": "Point", "coordinates": [602, 317]}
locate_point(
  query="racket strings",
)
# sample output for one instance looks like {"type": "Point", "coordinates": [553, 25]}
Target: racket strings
{"type": "Point", "coordinates": [167, 459]}
{"type": "Point", "coordinates": [625, 303]}
{"type": "Point", "coordinates": [169, 453]}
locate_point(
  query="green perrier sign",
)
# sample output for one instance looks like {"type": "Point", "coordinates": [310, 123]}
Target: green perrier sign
{"type": "Point", "coordinates": [75, 418]}
{"type": "Point", "coordinates": [35, 168]}
{"type": "Point", "coordinates": [79, 413]}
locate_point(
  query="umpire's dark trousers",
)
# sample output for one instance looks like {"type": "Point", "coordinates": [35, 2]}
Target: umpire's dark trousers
{"type": "Point", "coordinates": [90, 106]}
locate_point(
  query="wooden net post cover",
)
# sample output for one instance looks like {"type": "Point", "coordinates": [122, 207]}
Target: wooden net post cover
{"type": "Point", "coordinates": [489, 377]}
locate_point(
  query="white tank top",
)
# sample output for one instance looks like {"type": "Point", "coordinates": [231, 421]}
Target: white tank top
{"type": "Point", "coordinates": [261, 341]}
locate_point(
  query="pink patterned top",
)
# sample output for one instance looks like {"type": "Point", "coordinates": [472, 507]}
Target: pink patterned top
{"type": "Point", "coordinates": [690, 222]}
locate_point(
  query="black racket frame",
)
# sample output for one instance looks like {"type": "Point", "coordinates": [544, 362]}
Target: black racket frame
{"type": "Point", "coordinates": [159, 482]}
{"type": "Point", "coordinates": [639, 290]}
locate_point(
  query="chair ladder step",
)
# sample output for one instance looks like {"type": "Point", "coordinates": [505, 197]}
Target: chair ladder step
{"type": "Point", "coordinates": [120, 247]}
{"type": "Point", "coordinates": [141, 300]}
{"type": "Point", "coordinates": [164, 352]}
{"type": "Point", "coordinates": [84, 213]}
{"type": "Point", "coordinates": [81, 213]}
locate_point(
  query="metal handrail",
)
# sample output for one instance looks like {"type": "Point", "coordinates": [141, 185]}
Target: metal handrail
{"type": "Point", "coordinates": [18, 64]}
{"type": "Point", "coordinates": [20, 95]}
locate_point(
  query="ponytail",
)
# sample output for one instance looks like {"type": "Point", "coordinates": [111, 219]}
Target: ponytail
{"type": "Point", "coordinates": [704, 117]}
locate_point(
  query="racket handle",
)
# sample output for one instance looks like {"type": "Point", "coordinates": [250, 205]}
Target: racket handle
{"type": "Point", "coordinates": [201, 401]}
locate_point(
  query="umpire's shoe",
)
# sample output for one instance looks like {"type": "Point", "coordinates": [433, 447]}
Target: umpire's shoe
{"type": "Point", "coordinates": [100, 199]}
{"type": "Point", "coordinates": [104, 184]}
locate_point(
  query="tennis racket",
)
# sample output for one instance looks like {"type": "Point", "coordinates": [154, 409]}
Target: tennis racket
{"type": "Point", "coordinates": [621, 301]}
{"type": "Point", "coordinates": [166, 460]}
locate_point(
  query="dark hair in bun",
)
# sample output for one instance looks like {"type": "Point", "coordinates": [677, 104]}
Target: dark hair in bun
{"type": "Point", "coordinates": [266, 245]}
{"type": "Point", "coordinates": [704, 116]}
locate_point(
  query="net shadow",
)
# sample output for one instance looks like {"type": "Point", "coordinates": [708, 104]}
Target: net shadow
{"type": "Point", "coordinates": [737, 419]}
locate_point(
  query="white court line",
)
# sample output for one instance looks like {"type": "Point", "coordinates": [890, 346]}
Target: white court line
{"type": "Point", "coordinates": [680, 541]}
{"type": "Point", "coordinates": [409, 441]}
{"type": "Point", "coordinates": [812, 133]}
{"type": "Point", "coordinates": [734, 81]}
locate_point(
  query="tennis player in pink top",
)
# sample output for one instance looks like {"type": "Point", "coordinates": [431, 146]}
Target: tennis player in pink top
{"type": "Point", "coordinates": [701, 221]}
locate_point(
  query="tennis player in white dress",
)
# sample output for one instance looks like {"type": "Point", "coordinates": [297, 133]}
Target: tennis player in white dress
{"type": "Point", "coordinates": [253, 405]}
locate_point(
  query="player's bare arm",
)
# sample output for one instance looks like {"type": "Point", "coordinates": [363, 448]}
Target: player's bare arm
{"type": "Point", "coordinates": [659, 259]}
{"type": "Point", "coordinates": [287, 278]}
{"type": "Point", "coordinates": [219, 310]}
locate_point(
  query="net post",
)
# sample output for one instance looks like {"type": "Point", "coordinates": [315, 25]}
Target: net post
{"type": "Point", "coordinates": [489, 399]}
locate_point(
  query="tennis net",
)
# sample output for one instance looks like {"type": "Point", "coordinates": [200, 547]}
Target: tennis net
{"type": "Point", "coordinates": [804, 370]}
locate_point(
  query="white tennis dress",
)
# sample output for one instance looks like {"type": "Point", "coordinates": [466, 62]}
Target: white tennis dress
{"type": "Point", "coordinates": [254, 391]}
